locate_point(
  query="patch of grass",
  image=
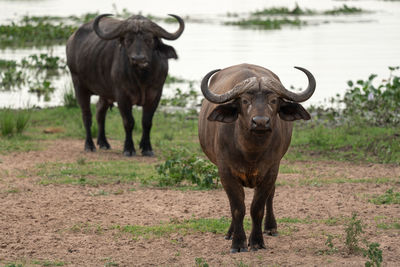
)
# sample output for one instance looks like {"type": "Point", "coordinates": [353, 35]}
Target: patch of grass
{"type": "Point", "coordinates": [284, 168]}
{"type": "Point", "coordinates": [48, 263]}
{"type": "Point", "coordinates": [7, 122]}
{"type": "Point", "coordinates": [13, 121]}
{"type": "Point", "coordinates": [324, 181]}
{"type": "Point", "coordinates": [367, 144]}
{"type": "Point", "coordinates": [266, 24]}
{"type": "Point", "coordinates": [87, 228]}
{"type": "Point", "coordinates": [216, 226]}
{"type": "Point", "coordinates": [13, 265]}
{"type": "Point", "coordinates": [94, 173]}
{"type": "Point", "coordinates": [389, 197]}
{"type": "Point", "coordinates": [69, 99]}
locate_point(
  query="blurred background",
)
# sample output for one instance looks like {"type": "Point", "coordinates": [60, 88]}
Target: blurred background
{"type": "Point", "coordinates": [337, 41]}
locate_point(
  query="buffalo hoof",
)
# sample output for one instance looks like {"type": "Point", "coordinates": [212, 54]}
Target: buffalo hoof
{"type": "Point", "coordinates": [271, 232]}
{"type": "Point", "coordinates": [104, 146]}
{"type": "Point", "coordinates": [147, 153]}
{"type": "Point", "coordinates": [228, 237]}
{"type": "Point", "coordinates": [236, 250]}
{"type": "Point", "coordinates": [90, 148]}
{"type": "Point", "coordinates": [129, 153]}
{"type": "Point", "coordinates": [257, 247]}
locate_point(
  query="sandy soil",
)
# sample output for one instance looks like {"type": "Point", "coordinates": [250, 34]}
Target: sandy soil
{"type": "Point", "coordinates": [73, 225]}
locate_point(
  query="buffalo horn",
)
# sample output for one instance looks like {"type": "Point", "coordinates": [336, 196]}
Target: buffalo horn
{"type": "Point", "coordinates": [170, 36]}
{"type": "Point", "coordinates": [109, 35]}
{"type": "Point", "coordinates": [283, 92]}
{"type": "Point", "coordinates": [231, 94]}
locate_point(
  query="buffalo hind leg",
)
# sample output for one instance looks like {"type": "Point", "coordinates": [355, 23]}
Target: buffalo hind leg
{"type": "Point", "coordinates": [125, 108]}
{"type": "Point", "coordinates": [270, 226]}
{"type": "Point", "coordinates": [83, 98]}
{"type": "Point", "coordinates": [101, 111]}
{"type": "Point", "coordinates": [147, 120]}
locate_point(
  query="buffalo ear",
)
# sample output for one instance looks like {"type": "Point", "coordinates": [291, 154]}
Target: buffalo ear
{"type": "Point", "coordinates": [289, 111]}
{"type": "Point", "coordinates": [225, 113]}
{"type": "Point", "coordinates": [166, 50]}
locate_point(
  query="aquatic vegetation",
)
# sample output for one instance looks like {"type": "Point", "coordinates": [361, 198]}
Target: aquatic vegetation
{"type": "Point", "coordinates": [11, 78]}
{"type": "Point", "coordinates": [17, 74]}
{"type": "Point", "coordinates": [43, 62]}
{"type": "Point", "coordinates": [6, 64]}
{"type": "Point", "coordinates": [269, 24]}
{"type": "Point", "coordinates": [297, 10]}
{"type": "Point", "coordinates": [26, 34]}
{"type": "Point", "coordinates": [42, 88]}
{"type": "Point", "coordinates": [345, 9]}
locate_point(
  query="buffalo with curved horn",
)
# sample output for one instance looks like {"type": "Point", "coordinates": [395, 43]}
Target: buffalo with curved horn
{"type": "Point", "coordinates": [245, 128]}
{"type": "Point", "coordinates": [123, 61]}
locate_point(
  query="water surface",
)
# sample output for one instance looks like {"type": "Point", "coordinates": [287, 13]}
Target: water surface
{"type": "Point", "coordinates": [334, 48]}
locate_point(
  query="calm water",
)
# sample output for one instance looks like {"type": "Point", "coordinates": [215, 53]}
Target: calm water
{"type": "Point", "coordinates": [348, 47]}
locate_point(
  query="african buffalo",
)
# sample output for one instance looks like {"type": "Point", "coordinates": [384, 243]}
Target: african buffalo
{"type": "Point", "coordinates": [245, 128]}
{"type": "Point", "coordinates": [124, 62]}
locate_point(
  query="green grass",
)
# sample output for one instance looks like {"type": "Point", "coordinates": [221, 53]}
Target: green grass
{"type": "Point", "coordinates": [48, 263]}
{"type": "Point", "coordinates": [286, 226]}
{"type": "Point", "coordinates": [360, 143]}
{"type": "Point", "coordinates": [389, 197]}
{"type": "Point", "coordinates": [94, 173]}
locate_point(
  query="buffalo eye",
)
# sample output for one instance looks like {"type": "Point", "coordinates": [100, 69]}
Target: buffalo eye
{"type": "Point", "coordinates": [128, 42]}
{"type": "Point", "coordinates": [274, 101]}
{"type": "Point", "coordinates": [149, 41]}
{"type": "Point", "coordinates": [245, 101]}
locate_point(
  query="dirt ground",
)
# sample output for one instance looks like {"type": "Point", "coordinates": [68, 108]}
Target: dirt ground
{"type": "Point", "coordinates": [60, 223]}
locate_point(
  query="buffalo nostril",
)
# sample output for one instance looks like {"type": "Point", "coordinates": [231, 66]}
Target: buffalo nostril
{"type": "Point", "coordinates": [260, 121]}
{"type": "Point", "coordinates": [138, 58]}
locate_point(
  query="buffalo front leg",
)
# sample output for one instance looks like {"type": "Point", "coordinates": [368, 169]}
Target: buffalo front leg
{"type": "Point", "coordinates": [256, 240]}
{"type": "Point", "coordinates": [235, 193]}
{"type": "Point", "coordinates": [270, 226]}
{"type": "Point", "coordinates": [101, 111]}
{"type": "Point", "coordinates": [147, 121]}
{"type": "Point", "coordinates": [83, 99]}
{"type": "Point", "coordinates": [125, 109]}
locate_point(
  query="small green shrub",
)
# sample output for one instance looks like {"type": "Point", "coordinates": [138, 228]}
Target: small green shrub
{"type": "Point", "coordinates": [200, 262]}
{"type": "Point", "coordinates": [374, 253]}
{"type": "Point", "coordinates": [354, 229]}
{"type": "Point", "coordinates": [179, 168]}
